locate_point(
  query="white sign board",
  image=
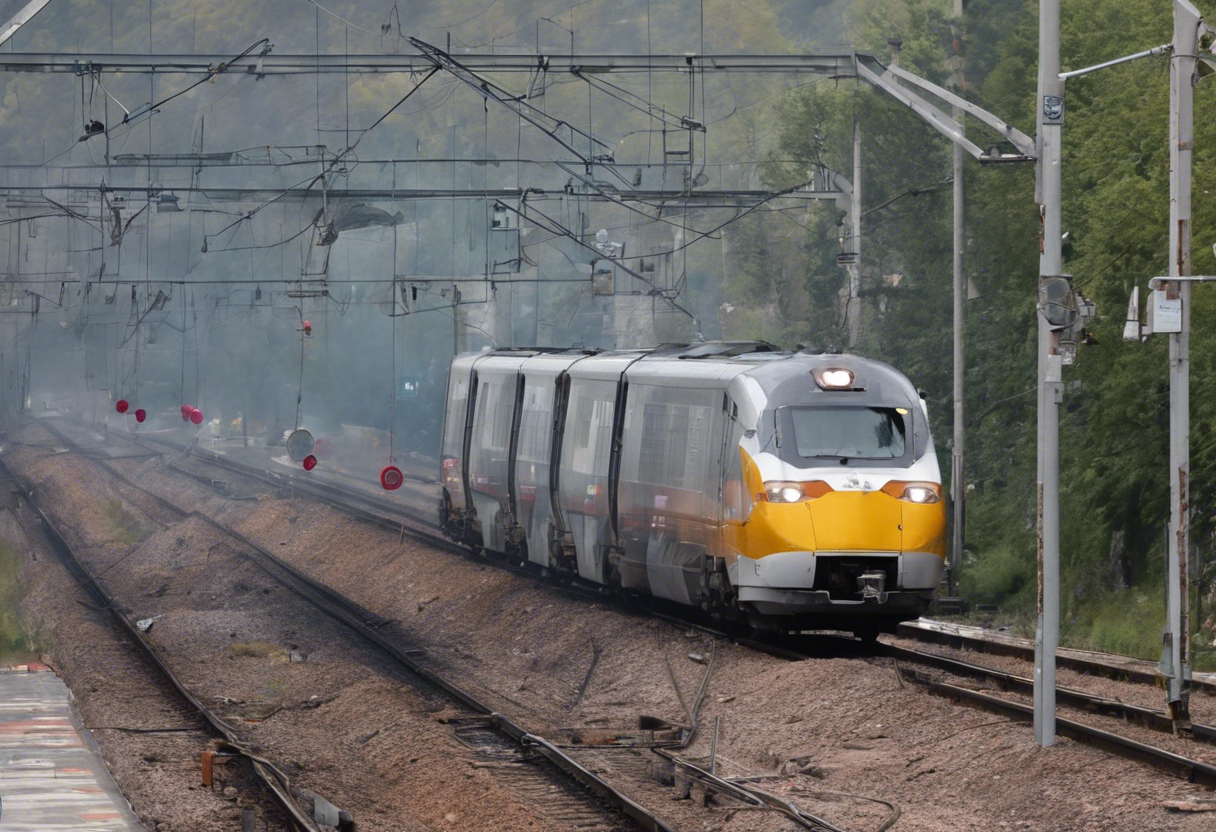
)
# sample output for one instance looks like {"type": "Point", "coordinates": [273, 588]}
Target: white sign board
{"type": "Point", "coordinates": [1165, 314]}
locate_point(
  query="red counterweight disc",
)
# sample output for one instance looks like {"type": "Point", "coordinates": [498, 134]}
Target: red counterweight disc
{"type": "Point", "coordinates": [140, 415]}
{"type": "Point", "coordinates": [391, 478]}
{"type": "Point", "coordinates": [121, 405]}
{"type": "Point", "coordinates": [196, 416]}
{"type": "Point", "coordinates": [310, 462]}
{"type": "Point", "coordinates": [187, 409]}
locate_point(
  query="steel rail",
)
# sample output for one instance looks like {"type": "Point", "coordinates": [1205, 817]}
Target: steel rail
{"type": "Point", "coordinates": [367, 624]}
{"type": "Point", "coordinates": [1077, 660]}
{"type": "Point", "coordinates": [275, 781]}
{"type": "Point", "coordinates": [1194, 770]}
{"type": "Point", "coordinates": [749, 794]}
{"type": "Point", "coordinates": [1156, 719]}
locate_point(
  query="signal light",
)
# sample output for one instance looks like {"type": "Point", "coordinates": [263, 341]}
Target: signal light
{"type": "Point", "coordinates": [121, 405]}
{"type": "Point", "coordinates": [391, 478]}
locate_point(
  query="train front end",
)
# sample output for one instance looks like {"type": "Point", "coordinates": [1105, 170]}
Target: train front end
{"type": "Point", "coordinates": [847, 522]}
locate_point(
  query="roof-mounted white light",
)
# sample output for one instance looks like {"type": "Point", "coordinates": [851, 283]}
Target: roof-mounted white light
{"type": "Point", "coordinates": [834, 378]}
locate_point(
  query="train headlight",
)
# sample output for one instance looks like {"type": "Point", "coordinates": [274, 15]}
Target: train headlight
{"type": "Point", "coordinates": [914, 492]}
{"type": "Point", "coordinates": [783, 492]}
{"type": "Point", "coordinates": [794, 492]}
{"type": "Point", "coordinates": [833, 378]}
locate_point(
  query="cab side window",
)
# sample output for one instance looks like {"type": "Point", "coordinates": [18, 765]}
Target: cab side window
{"type": "Point", "coordinates": [736, 501]}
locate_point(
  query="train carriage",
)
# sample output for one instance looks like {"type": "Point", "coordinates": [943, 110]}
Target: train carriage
{"type": "Point", "coordinates": [787, 489]}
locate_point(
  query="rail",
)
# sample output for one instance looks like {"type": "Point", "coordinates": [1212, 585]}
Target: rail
{"type": "Point", "coordinates": [367, 625]}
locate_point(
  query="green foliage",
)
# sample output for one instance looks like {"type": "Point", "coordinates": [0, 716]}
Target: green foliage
{"type": "Point", "coordinates": [1004, 575]}
{"type": "Point", "coordinates": [1127, 622]}
{"type": "Point", "coordinates": [1114, 429]}
{"type": "Point", "coordinates": [124, 528]}
{"type": "Point", "coordinates": [16, 639]}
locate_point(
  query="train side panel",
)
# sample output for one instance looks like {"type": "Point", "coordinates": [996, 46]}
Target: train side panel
{"type": "Point", "coordinates": [541, 416]}
{"type": "Point", "coordinates": [452, 446]}
{"type": "Point", "coordinates": [489, 453]}
{"type": "Point", "coordinates": [671, 477]}
{"type": "Point", "coordinates": [584, 478]}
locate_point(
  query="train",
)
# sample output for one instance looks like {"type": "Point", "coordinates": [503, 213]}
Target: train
{"type": "Point", "coordinates": [788, 491]}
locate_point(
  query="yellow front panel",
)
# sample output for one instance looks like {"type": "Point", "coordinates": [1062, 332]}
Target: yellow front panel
{"type": "Point", "coordinates": [778, 527]}
{"type": "Point", "coordinates": [925, 528]}
{"type": "Point", "coordinates": [857, 520]}
{"type": "Point", "coordinates": [841, 521]}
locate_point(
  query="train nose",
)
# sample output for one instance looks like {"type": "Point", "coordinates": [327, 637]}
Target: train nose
{"type": "Point", "coordinates": [857, 521]}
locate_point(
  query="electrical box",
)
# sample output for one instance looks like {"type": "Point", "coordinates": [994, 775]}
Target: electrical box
{"type": "Point", "coordinates": [1164, 312]}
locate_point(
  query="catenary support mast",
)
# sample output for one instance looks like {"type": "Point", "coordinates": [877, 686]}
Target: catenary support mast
{"type": "Point", "coordinates": [1176, 641]}
{"type": "Point", "coordinates": [957, 479]}
{"type": "Point", "coordinates": [1050, 118]}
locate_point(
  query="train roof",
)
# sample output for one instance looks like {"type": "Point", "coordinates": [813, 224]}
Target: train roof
{"type": "Point", "coordinates": [791, 377]}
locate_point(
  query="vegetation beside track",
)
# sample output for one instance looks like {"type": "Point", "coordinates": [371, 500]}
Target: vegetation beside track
{"type": "Point", "coordinates": [786, 283]}
{"type": "Point", "coordinates": [17, 640]}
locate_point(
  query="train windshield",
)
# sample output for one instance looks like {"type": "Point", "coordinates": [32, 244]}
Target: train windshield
{"type": "Point", "coordinates": [842, 433]}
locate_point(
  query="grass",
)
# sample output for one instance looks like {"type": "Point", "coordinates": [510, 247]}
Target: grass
{"type": "Point", "coordinates": [125, 528]}
{"type": "Point", "coordinates": [1003, 576]}
{"type": "Point", "coordinates": [1128, 622]}
{"type": "Point", "coordinates": [257, 650]}
{"type": "Point", "coordinates": [17, 641]}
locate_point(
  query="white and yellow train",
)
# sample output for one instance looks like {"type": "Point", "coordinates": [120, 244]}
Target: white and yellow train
{"type": "Point", "coordinates": [790, 490]}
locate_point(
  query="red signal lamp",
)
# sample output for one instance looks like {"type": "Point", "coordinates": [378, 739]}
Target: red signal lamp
{"type": "Point", "coordinates": [391, 478]}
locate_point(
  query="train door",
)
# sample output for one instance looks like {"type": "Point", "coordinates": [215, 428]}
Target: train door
{"type": "Point", "coordinates": [735, 503]}
{"type": "Point", "coordinates": [453, 448]}
{"type": "Point", "coordinates": [585, 461]}
{"type": "Point", "coordinates": [489, 458]}
{"type": "Point", "coordinates": [588, 458]}
{"type": "Point", "coordinates": [543, 391]}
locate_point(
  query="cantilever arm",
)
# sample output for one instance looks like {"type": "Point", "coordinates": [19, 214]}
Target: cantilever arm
{"type": "Point", "coordinates": [884, 78]}
{"type": "Point", "coordinates": [21, 18]}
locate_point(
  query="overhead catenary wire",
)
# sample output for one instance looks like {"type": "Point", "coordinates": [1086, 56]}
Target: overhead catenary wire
{"type": "Point", "coordinates": [691, 235]}
{"type": "Point", "coordinates": [343, 19]}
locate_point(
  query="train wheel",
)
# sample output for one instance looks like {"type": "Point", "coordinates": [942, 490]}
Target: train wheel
{"type": "Point", "coordinates": [867, 634]}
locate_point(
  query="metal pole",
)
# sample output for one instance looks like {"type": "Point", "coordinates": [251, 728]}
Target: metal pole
{"type": "Point", "coordinates": [1175, 657]}
{"type": "Point", "coordinates": [957, 484]}
{"type": "Point", "coordinates": [1051, 112]}
{"type": "Point", "coordinates": [853, 310]}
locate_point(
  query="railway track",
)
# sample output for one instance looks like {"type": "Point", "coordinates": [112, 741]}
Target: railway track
{"type": "Point", "coordinates": [567, 752]}
{"type": "Point", "coordinates": [410, 521]}
{"type": "Point", "coordinates": [1120, 668]}
{"type": "Point", "coordinates": [266, 773]}
{"type": "Point", "coordinates": [553, 782]}
{"type": "Point", "coordinates": [1195, 771]}
{"type": "Point", "coordinates": [1158, 720]}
